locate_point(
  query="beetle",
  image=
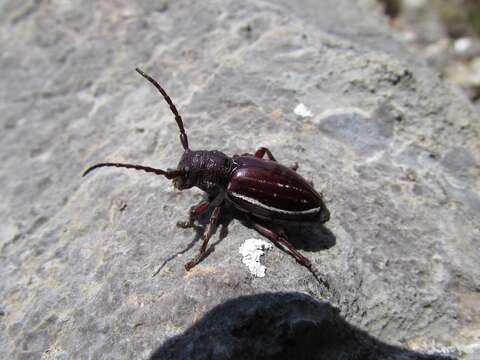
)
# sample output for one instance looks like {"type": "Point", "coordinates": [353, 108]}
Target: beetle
{"type": "Point", "coordinates": [262, 189]}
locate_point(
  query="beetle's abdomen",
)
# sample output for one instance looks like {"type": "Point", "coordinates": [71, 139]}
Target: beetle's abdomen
{"type": "Point", "coordinates": [268, 189]}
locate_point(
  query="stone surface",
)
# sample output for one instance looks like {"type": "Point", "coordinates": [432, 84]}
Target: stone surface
{"type": "Point", "coordinates": [442, 32]}
{"type": "Point", "coordinates": [393, 148]}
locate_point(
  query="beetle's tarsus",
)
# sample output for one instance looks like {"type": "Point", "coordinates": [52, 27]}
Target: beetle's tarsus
{"type": "Point", "coordinates": [194, 214]}
{"type": "Point", "coordinates": [321, 278]}
{"type": "Point", "coordinates": [198, 259]}
{"type": "Point", "coordinates": [188, 225]}
{"type": "Point", "coordinates": [184, 224]}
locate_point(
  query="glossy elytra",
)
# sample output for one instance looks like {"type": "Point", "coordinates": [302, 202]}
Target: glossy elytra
{"type": "Point", "coordinates": [263, 189]}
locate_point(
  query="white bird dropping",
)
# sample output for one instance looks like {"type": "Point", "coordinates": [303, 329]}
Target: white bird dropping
{"type": "Point", "coordinates": [251, 250]}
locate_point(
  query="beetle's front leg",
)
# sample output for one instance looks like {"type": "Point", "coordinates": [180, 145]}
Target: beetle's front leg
{"type": "Point", "coordinates": [194, 214]}
{"type": "Point", "coordinates": [281, 241]}
{"type": "Point", "coordinates": [206, 237]}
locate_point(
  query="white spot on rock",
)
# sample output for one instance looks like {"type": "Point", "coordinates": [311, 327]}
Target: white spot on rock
{"type": "Point", "coordinates": [462, 45]}
{"type": "Point", "coordinates": [303, 111]}
{"type": "Point", "coordinates": [251, 250]}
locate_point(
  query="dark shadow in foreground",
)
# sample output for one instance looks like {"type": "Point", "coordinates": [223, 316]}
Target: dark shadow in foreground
{"type": "Point", "coordinates": [278, 326]}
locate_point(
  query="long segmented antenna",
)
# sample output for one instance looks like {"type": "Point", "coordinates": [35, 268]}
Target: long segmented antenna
{"type": "Point", "coordinates": [168, 174]}
{"type": "Point", "coordinates": [178, 118]}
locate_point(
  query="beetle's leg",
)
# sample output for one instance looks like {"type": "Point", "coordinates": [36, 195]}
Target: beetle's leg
{"type": "Point", "coordinates": [261, 152]}
{"type": "Point", "coordinates": [282, 242]}
{"type": "Point", "coordinates": [206, 237]}
{"type": "Point", "coordinates": [195, 213]}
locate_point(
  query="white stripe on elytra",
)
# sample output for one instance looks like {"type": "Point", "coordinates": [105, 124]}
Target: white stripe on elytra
{"type": "Point", "coordinates": [277, 184]}
{"type": "Point", "coordinates": [287, 186]}
{"type": "Point", "coordinates": [271, 208]}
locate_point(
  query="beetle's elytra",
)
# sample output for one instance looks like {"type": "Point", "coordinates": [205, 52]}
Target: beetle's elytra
{"type": "Point", "coordinates": [263, 189]}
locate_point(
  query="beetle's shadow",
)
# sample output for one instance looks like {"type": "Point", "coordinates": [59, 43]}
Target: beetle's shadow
{"type": "Point", "coordinates": [199, 229]}
{"type": "Point", "coordinates": [308, 236]}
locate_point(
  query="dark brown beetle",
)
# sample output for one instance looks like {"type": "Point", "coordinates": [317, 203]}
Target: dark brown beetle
{"type": "Point", "coordinates": [262, 189]}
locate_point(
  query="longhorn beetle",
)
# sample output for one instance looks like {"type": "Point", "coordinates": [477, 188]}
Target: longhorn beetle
{"type": "Point", "coordinates": [264, 190]}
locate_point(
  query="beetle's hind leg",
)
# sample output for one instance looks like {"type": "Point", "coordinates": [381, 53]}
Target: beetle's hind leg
{"type": "Point", "coordinates": [281, 241]}
{"type": "Point", "coordinates": [206, 237]}
{"type": "Point", "coordinates": [194, 214]}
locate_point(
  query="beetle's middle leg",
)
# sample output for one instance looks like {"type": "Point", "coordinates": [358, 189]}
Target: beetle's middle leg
{"type": "Point", "coordinates": [206, 237]}
{"type": "Point", "coordinates": [281, 241]}
{"type": "Point", "coordinates": [260, 153]}
{"type": "Point", "coordinates": [195, 213]}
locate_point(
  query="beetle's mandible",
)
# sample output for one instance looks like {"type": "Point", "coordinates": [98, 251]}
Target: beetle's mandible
{"type": "Point", "coordinates": [264, 190]}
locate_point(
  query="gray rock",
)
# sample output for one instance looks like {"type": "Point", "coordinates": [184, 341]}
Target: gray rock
{"type": "Point", "coordinates": [393, 148]}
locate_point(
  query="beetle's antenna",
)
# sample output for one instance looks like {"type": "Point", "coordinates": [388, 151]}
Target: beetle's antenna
{"type": "Point", "coordinates": [168, 174]}
{"type": "Point", "coordinates": [178, 118]}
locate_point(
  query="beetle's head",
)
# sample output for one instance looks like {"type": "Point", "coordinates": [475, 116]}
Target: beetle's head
{"type": "Point", "coordinates": [190, 166]}
{"type": "Point", "coordinates": [184, 181]}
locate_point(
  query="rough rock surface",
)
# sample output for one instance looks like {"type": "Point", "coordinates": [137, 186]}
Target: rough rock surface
{"type": "Point", "coordinates": [394, 149]}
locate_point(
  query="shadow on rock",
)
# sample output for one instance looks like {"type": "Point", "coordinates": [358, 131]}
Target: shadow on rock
{"type": "Point", "coordinates": [309, 236]}
{"type": "Point", "coordinates": [278, 326]}
{"type": "Point", "coordinates": [305, 236]}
